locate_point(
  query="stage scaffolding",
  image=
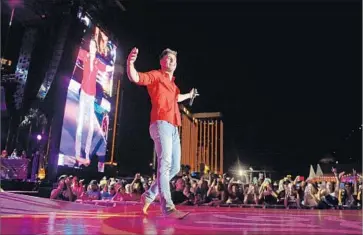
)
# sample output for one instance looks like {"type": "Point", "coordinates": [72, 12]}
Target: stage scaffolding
{"type": "Point", "coordinates": [201, 137]}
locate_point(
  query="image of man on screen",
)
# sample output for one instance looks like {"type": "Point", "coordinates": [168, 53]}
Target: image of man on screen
{"type": "Point", "coordinates": [102, 41]}
{"type": "Point", "coordinates": [86, 116]}
{"type": "Point", "coordinates": [107, 54]}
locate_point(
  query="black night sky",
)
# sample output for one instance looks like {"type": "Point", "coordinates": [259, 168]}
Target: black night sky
{"type": "Point", "coordinates": [286, 76]}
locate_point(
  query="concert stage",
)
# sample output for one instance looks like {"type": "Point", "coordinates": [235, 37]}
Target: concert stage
{"type": "Point", "coordinates": [22, 214]}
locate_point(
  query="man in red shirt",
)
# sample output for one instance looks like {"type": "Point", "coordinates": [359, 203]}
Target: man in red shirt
{"type": "Point", "coordinates": [91, 67]}
{"type": "Point", "coordinates": [165, 119]}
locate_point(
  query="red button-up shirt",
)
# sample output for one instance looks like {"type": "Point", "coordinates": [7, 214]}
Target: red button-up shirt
{"type": "Point", "coordinates": [164, 96]}
{"type": "Point", "coordinates": [89, 77]}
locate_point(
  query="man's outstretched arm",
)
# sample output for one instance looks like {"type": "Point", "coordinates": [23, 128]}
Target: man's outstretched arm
{"type": "Point", "coordinates": [182, 97]}
{"type": "Point", "coordinates": [131, 71]}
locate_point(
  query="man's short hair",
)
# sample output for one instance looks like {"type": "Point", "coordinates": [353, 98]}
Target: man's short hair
{"type": "Point", "coordinates": [167, 51]}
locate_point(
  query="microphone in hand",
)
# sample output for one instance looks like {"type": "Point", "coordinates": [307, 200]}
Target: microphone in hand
{"type": "Point", "coordinates": [194, 94]}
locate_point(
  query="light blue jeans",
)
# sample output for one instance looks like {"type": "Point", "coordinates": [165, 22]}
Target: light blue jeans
{"type": "Point", "coordinates": [86, 112]}
{"type": "Point", "coordinates": [167, 147]}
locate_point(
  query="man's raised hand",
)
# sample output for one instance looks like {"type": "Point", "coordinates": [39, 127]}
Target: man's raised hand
{"type": "Point", "coordinates": [132, 56]}
{"type": "Point", "coordinates": [131, 71]}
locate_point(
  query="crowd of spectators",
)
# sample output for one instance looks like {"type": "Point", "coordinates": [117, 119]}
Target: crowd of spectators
{"type": "Point", "coordinates": [215, 190]}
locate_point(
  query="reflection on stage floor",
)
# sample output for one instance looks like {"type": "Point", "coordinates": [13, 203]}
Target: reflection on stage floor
{"type": "Point", "coordinates": [30, 215]}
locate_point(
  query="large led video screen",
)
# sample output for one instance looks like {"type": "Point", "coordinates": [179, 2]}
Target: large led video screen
{"type": "Point", "coordinates": [86, 116]}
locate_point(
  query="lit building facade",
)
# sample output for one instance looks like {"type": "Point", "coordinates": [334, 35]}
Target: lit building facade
{"type": "Point", "coordinates": [201, 137]}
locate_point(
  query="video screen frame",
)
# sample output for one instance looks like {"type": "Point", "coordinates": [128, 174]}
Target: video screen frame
{"type": "Point", "coordinates": [86, 119]}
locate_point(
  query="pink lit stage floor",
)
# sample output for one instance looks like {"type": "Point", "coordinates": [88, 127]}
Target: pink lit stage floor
{"type": "Point", "coordinates": [30, 215]}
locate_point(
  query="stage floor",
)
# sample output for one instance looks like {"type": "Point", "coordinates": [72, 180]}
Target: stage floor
{"type": "Point", "coordinates": [22, 214]}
